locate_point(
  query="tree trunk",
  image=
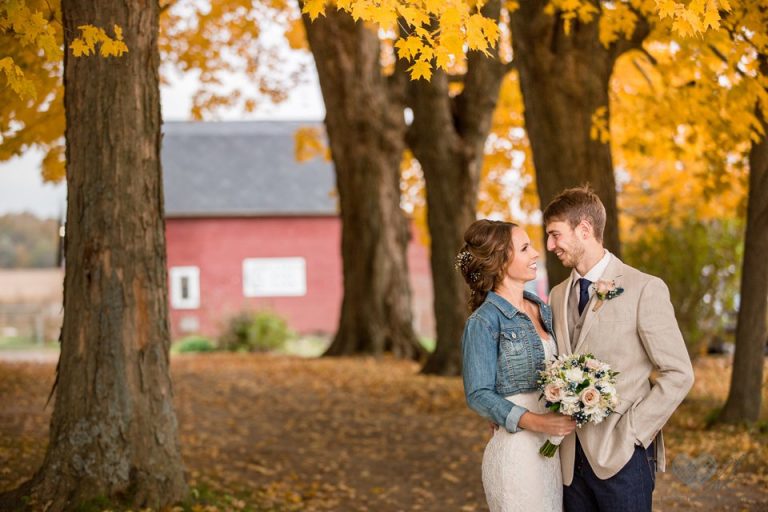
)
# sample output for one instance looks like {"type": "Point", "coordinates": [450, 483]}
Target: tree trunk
{"type": "Point", "coordinates": [113, 432]}
{"type": "Point", "coordinates": [366, 129]}
{"type": "Point", "coordinates": [744, 396]}
{"type": "Point", "coordinates": [564, 80]}
{"type": "Point", "coordinates": [448, 138]}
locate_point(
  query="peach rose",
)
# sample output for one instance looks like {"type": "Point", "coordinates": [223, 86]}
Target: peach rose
{"type": "Point", "coordinates": [552, 392]}
{"type": "Point", "coordinates": [602, 287]}
{"type": "Point", "coordinates": [590, 397]}
{"type": "Point", "coordinates": [593, 364]}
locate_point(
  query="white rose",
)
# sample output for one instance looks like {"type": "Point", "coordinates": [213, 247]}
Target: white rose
{"type": "Point", "coordinates": [574, 375]}
{"type": "Point", "coordinates": [569, 409]}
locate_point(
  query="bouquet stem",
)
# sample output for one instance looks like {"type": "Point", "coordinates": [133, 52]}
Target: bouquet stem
{"type": "Point", "coordinates": [548, 449]}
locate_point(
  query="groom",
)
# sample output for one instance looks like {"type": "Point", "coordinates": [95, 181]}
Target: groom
{"type": "Point", "coordinates": [611, 466]}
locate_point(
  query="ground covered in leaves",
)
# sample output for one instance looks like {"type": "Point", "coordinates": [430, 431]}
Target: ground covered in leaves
{"type": "Point", "coordinates": [265, 432]}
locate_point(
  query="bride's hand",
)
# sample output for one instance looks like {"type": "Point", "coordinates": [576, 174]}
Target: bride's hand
{"type": "Point", "coordinates": [553, 424]}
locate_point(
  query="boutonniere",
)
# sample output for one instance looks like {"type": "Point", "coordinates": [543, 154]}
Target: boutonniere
{"type": "Point", "coordinates": [605, 290]}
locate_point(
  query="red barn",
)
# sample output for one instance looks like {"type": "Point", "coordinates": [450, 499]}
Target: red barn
{"type": "Point", "coordinates": [249, 228]}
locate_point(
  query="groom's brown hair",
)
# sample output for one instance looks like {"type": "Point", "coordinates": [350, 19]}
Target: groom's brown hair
{"type": "Point", "coordinates": [574, 205]}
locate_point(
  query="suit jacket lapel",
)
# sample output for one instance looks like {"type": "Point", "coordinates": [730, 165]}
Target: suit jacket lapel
{"type": "Point", "coordinates": [611, 272]}
{"type": "Point", "coordinates": [562, 311]}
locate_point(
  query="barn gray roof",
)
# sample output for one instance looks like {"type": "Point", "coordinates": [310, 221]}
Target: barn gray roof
{"type": "Point", "coordinates": [242, 168]}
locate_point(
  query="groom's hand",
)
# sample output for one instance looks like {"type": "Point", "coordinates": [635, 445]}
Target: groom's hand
{"type": "Point", "coordinates": [494, 427]}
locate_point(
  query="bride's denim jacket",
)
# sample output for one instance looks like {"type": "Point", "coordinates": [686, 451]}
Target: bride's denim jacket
{"type": "Point", "coordinates": [502, 356]}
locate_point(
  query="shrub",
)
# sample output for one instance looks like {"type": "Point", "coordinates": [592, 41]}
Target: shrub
{"type": "Point", "coordinates": [194, 344]}
{"type": "Point", "coordinates": [700, 261]}
{"type": "Point", "coordinates": [262, 331]}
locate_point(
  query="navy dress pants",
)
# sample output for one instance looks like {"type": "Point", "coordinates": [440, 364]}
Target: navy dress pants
{"type": "Point", "coordinates": [629, 490]}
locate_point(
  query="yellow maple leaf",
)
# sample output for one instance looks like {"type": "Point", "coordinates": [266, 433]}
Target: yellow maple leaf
{"type": "Point", "coordinates": [452, 41]}
{"type": "Point", "coordinates": [421, 69]}
{"type": "Point", "coordinates": [413, 16]}
{"type": "Point", "coordinates": [599, 130]}
{"type": "Point", "coordinates": [682, 27]}
{"type": "Point", "coordinates": [490, 29]}
{"type": "Point", "coordinates": [361, 11]}
{"type": "Point", "coordinates": [384, 16]}
{"type": "Point", "coordinates": [666, 8]}
{"type": "Point", "coordinates": [450, 18]}
{"type": "Point", "coordinates": [409, 47]}
{"type": "Point", "coordinates": [475, 37]}
{"type": "Point", "coordinates": [344, 5]}
{"type": "Point", "coordinates": [442, 57]}
{"type": "Point", "coordinates": [711, 16]}
{"type": "Point", "coordinates": [314, 8]}
{"type": "Point", "coordinates": [697, 7]}
{"type": "Point", "coordinates": [309, 143]}
{"type": "Point", "coordinates": [295, 35]}
{"type": "Point", "coordinates": [16, 79]}
{"type": "Point", "coordinates": [79, 48]}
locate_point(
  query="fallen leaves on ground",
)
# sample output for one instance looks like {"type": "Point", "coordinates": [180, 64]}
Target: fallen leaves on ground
{"type": "Point", "coordinates": [288, 434]}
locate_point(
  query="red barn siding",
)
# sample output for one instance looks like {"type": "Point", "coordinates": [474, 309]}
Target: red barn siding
{"type": "Point", "coordinates": [218, 246]}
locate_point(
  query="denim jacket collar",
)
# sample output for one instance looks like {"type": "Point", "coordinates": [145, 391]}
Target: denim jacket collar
{"type": "Point", "coordinates": [506, 307]}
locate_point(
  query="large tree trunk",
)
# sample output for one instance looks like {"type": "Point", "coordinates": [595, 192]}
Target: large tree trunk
{"type": "Point", "coordinates": [366, 129]}
{"type": "Point", "coordinates": [744, 396]}
{"type": "Point", "coordinates": [113, 432]}
{"type": "Point", "coordinates": [564, 80]}
{"type": "Point", "coordinates": [448, 137]}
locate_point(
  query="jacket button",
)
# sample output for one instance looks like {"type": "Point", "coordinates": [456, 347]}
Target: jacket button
{"type": "Point", "coordinates": [514, 336]}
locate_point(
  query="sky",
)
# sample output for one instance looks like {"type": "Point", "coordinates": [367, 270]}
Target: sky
{"type": "Point", "coordinates": [22, 188]}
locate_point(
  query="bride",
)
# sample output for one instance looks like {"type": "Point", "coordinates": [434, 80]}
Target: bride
{"type": "Point", "coordinates": [506, 340]}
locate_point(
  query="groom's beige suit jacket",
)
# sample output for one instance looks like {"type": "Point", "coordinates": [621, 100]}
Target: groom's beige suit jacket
{"type": "Point", "coordinates": [637, 334]}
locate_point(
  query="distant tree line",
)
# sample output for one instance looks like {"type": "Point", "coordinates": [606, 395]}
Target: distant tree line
{"type": "Point", "coordinates": [27, 241]}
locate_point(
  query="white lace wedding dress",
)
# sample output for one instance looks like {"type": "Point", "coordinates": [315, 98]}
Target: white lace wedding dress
{"type": "Point", "coordinates": [516, 477]}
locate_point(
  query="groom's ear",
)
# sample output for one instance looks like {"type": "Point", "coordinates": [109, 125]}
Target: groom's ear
{"type": "Point", "coordinates": [585, 229]}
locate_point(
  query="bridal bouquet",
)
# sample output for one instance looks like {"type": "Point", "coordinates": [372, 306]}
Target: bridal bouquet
{"type": "Point", "coordinates": [578, 386]}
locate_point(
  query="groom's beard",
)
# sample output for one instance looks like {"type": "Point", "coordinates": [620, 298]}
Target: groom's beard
{"type": "Point", "coordinates": [572, 255]}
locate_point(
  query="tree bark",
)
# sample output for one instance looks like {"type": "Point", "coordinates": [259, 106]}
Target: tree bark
{"type": "Point", "coordinates": [448, 137]}
{"type": "Point", "coordinates": [113, 432]}
{"type": "Point", "coordinates": [745, 395]}
{"type": "Point", "coordinates": [564, 80]}
{"type": "Point", "coordinates": [366, 130]}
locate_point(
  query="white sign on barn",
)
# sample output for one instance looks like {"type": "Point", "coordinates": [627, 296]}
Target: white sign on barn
{"type": "Point", "coordinates": [274, 277]}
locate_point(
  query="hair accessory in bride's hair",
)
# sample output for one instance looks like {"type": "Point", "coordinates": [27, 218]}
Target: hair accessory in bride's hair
{"type": "Point", "coordinates": [462, 260]}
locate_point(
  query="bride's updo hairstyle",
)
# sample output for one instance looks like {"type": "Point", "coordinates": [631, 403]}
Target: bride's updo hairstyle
{"type": "Point", "coordinates": [484, 256]}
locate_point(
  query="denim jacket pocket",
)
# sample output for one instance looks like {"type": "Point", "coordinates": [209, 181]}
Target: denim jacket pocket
{"type": "Point", "coordinates": [512, 342]}
{"type": "Point", "coordinates": [514, 345]}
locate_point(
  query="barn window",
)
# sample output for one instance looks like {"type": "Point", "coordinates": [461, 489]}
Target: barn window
{"type": "Point", "coordinates": [185, 287]}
